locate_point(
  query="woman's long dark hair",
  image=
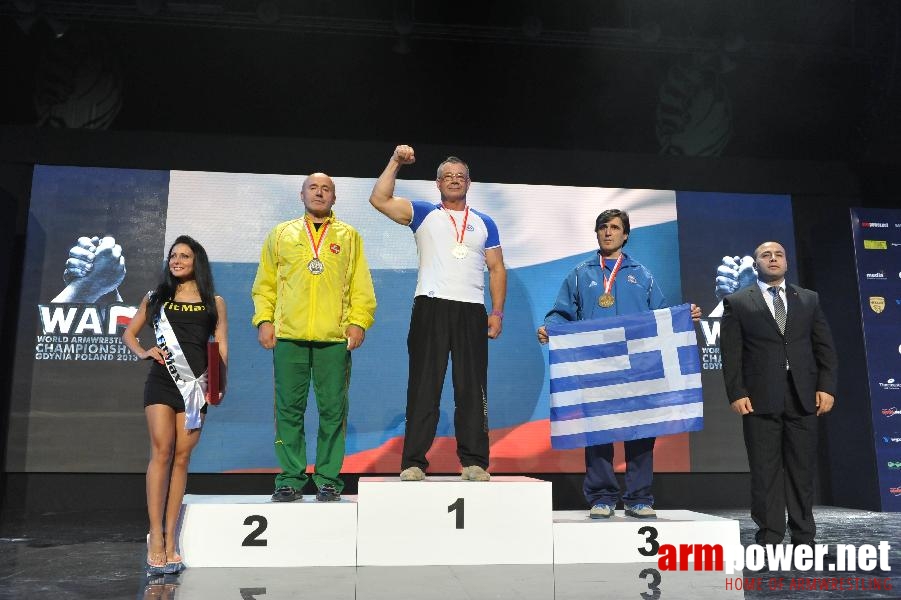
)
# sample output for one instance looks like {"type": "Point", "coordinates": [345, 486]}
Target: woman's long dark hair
{"type": "Point", "coordinates": [203, 275]}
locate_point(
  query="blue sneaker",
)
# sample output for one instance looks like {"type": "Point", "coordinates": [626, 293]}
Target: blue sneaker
{"type": "Point", "coordinates": [601, 511]}
{"type": "Point", "coordinates": [641, 511]}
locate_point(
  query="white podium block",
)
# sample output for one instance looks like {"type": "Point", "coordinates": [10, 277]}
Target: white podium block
{"type": "Point", "coordinates": [252, 531]}
{"type": "Point", "coordinates": [447, 521]}
{"type": "Point", "coordinates": [621, 539]}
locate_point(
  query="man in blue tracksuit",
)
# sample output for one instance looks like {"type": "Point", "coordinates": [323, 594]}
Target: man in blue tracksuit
{"type": "Point", "coordinates": [608, 285]}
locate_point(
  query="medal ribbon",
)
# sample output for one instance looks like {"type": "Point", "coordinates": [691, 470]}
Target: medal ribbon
{"type": "Point", "coordinates": [315, 245]}
{"type": "Point", "coordinates": [454, 223]}
{"type": "Point", "coordinates": [608, 283]}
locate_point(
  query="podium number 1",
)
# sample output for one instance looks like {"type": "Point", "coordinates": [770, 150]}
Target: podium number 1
{"type": "Point", "coordinates": [457, 506]}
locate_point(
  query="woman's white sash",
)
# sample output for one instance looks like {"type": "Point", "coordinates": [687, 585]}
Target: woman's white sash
{"type": "Point", "coordinates": [193, 389]}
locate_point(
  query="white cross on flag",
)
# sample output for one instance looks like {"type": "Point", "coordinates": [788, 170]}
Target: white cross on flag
{"type": "Point", "coordinates": [624, 378]}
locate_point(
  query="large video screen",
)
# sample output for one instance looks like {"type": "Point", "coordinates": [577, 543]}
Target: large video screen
{"type": "Point", "coordinates": [77, 391]}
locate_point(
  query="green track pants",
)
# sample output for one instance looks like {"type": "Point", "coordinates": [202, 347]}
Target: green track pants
{"type": "Point", "coordinates": [328, 366]}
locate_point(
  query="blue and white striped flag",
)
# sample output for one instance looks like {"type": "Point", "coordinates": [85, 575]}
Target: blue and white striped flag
{"type": "Point", "coordinates": [624, 378]}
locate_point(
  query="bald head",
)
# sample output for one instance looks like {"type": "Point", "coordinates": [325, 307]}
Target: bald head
{"type": "Point", "coordinates": [320, 178]}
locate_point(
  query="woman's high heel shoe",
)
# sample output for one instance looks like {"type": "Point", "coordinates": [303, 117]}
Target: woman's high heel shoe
{"type": "Point", "coordinates": [174, 565]}
{"type": "Point", "coordinates": [158, 566]}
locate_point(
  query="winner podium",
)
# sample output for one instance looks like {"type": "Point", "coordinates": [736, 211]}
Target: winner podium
{"type": "Point", "coordinates": [438, 521]}
{"type": "Point", "coordinates": [446, 521]}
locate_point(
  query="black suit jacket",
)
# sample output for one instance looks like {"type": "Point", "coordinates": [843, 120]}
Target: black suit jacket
{"type": "Point", "coordinates": [754, 352]}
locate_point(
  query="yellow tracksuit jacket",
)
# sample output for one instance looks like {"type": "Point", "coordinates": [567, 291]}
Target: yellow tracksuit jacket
{"type": "Point", "coordinates": [304, 306]}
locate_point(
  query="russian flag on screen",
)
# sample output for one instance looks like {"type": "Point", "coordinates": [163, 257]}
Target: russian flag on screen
{"type": "Point", "coordinates": [624, 378]}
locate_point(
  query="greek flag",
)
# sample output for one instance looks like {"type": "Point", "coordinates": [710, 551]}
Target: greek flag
{"type": "Point", "coordinates": [624, 378]}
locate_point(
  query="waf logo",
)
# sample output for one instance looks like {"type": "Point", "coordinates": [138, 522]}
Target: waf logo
{"type": "Point", "coordinates": [890, 412]}
{"type": "Point", "coordinates": [335, 248]}
{"type": "Point", "coordinates": [877, 303]}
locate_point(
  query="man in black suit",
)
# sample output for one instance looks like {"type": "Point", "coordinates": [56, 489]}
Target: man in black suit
{"type": "Point", "coordinates": [779, 364]}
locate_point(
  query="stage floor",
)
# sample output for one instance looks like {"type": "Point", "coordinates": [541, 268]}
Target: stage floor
{"type": "Point", "coordinates": [90, 555]}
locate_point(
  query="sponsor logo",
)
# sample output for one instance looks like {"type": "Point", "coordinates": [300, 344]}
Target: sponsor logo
{"type": "Point", "coordinates": [877, 303]}
{"type": "Point", "coordinates": [890, 412]}
{"type": "Point", "coordinates": [895, 491]}
{"type": "Point", "coordinates": [892, 438]}
{"type": "Point", "coordinates": [875, 245]}
{"type": "Point", "coordinates": [872, 224]}
{"type": "Point", "coordinates": [470, 227]}
{"type": "Point", "coordinates": [896, 244]}
{"type": "Point", "coordinates": [335, 248]}
{"type": "Point", "coordinates": [890, 384]}
{"type": "Point", "coordinates": [876, 275]}
{"type": "Point", "coordinates": [894, 465]}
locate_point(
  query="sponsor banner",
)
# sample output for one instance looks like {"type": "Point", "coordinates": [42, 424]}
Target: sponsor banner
{"type": "Point", "coordinates": [877, 238]}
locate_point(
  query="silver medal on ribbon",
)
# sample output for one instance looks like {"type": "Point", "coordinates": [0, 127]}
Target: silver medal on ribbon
{"type": "Point", "coordinates": [315, 266]}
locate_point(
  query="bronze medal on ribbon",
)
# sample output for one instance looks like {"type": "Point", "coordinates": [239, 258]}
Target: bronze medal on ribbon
{"type": "Point", "coordinates": [606, 300]}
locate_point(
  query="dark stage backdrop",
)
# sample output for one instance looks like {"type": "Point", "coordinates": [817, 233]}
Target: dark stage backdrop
{"type": "Point", "coordinates": [76, 402]}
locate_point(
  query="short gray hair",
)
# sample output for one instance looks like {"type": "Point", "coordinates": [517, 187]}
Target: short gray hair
{"type": "Point", "coordinates": [452, 160]}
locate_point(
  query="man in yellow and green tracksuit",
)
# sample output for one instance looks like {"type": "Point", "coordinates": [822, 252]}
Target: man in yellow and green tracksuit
{"type": "Point", "coordinates": [313, 302]}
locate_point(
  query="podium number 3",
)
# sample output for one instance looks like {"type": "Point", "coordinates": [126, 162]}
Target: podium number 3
{"type": "Point", "coordinates": [252, 538]}
{"type": "Point", "coordinates": [458, 507]}
{"type": "Point", "coordinates": [651, 543]}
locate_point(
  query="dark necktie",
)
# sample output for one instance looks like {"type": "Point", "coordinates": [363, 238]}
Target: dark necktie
{"type": "Point", "coordinates": [778, 308]}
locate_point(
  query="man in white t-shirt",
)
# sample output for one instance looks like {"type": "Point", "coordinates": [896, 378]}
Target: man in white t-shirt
{"type": "Point", "coordinates": [455, 243]}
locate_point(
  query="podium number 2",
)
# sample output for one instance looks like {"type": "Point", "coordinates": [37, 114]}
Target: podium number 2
{"type": "Point", "coordinates": [252, 538]}
{"type": "Point", "coordinates": [457, 506]}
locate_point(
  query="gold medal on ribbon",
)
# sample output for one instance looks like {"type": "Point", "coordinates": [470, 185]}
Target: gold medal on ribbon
{"type": "Point", "coordinates": [606, 300]}
{"type": "Point", "coordinates": [460, 251]}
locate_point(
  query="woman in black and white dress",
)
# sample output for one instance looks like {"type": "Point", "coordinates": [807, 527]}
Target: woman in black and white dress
{"type": "Point", "coordinates": [184, 314]}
